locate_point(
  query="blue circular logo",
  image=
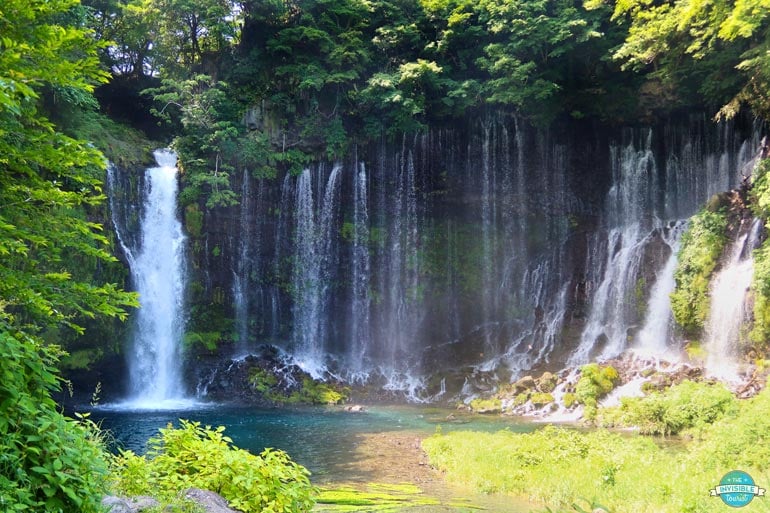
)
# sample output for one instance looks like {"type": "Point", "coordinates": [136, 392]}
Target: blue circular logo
{"type": "Point", "coordinates": [737, 489]}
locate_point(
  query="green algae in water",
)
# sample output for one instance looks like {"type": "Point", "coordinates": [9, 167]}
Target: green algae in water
{"type": "Point", "coordinates": [373, 497]}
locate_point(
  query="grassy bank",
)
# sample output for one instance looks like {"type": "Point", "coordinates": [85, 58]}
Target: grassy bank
{"type": "Point", "coordinates": [623, 472]}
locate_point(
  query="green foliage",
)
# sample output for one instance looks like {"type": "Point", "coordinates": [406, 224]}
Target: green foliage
{"type": "Point", "coordinates": [701, 248]}
{"type": "Point", "coordinates": [595, 382]}
{"type": "Point", "coordinates": [717, 49]}
{"type": "Point", "coordinates": [207, 340]}
{"type": "Point", "coordinates": [724, 445]}
{"type": "Point", "coordinates": [47, 181]}
{"type": "Point", "coordinates": [47, 462]}
{"type": "Point", "coordinates": [688, 405]}
{"type": "Point", "coordinates": [202, 457]}
{"type": "Point", "coordinates": [569, 400]}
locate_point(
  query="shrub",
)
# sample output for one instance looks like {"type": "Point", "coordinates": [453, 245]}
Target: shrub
{"type": "Point", "coordinates": [48, 462]}
{"type": "Point", "coordinates": [684, 406]}
{"type": "Point", "coordinates": [595, 382]}
{"type": "Point", "coordinates": [193, 456]}
{"type": "Point", "coordinates": [742, 441]}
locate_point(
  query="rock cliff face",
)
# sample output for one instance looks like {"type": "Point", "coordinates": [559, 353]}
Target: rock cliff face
{"type": "Point", "coordinates": [490, 246]}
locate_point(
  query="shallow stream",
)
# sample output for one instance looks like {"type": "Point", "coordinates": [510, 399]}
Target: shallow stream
{"type": "Point", "coordinates": [340, 448]}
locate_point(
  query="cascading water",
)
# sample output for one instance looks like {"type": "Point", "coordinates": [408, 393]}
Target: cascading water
{"type": "Point", "coordinates": [244, 266]}
{"type": "Point", "coordinates": [157, 265]}
{"type": "Point", "coordinates": [313, 264]}
{"type": "Point", "coordinates": [654, 338]}
{"type": "Point", "coordinates": [360, 332]}
{"type": "Point", "coordinates": [729, 308]}
{"type": "Point", "coordinates": [629, 208]}
{"type": "Point", "coordinates": [495, 246]}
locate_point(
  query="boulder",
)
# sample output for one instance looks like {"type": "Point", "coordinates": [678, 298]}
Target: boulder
{"type": "Point", "coordinates": [355, 408]}
{"type": "Point", "coordinates": [525, 383]}
{"type": "Point", "coordinates": [209, 502]}
{"type": "Point", "coordinates": [546, 383]}
{"type": "Point", "coordinates": [128, 505]}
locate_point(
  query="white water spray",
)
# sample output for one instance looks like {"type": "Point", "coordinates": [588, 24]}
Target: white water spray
{"type": "Point", "coordinates": [158, 273]}
{"type": "Point", "coordinates": [729, 307]}
{"type": "Point", "coordinates": [653, 338]}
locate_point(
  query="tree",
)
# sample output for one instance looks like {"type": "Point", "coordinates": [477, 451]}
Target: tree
{"type": "Point", "coordinates": [716, 49]}
{"type": "Point", "coordinates": [47, 181]}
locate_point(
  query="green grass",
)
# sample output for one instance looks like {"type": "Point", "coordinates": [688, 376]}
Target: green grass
{"type": "Point", "coordinates": [624, 472]}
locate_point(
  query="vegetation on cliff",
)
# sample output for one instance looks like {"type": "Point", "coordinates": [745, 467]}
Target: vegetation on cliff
{"type": "Point", "coordinates": [702, 245]}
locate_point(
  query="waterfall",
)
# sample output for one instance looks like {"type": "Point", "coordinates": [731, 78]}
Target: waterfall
{"type": "Point", "coordinates": [482, 247]}
{"type": "Point", "coordinates": [630, 202]}
{"type": "Point", "coordinates": [244, 265]}
{"type": "Point", "coordinates": [729, 308]}
{"type": "Point", "coordinates": [653, 339]}
{"type": "Point", "coordinates": [314, 261]}
{"type": "Point", "coordinates": [360, 331]}
{"type": "Point", "coordinates": [158, 272]}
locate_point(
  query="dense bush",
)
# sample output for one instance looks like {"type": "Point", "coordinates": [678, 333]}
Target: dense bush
{"type": "Point", "coordinates": [702, 245]}
{"type": "Point", "coordinates": [48, 462]}
{"type": "Point", "coordinates": [685, 406]}
{"type": "Point", "coordinates": [194, 456]}
{"type": "Point", "coordinates": [595, 382]}
{"type": "Point", "coordinates": [741, 441]}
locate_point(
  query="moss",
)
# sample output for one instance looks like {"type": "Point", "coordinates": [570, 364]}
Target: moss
{"type": "Point", "coordinates": [193, 219]}
{"type": "Point", "coordinates": [121, 144]}
{"type": "Point", "coordinates": [547, 382]}
{"type": "Point", "coordinates": [520, 399]}
{"type": "Point", "coordinates": [569, 400]}
{"type": "Point", "coordinates": [702, 245]}
{"type": "Point", "coordinates": [595, 382]}
{"type": "Point", "coordinates": [491, 405]}
{"type": "Point", "coordinates": [695, 351]}
{"type": "Point", "coordinates": [317, 392]}
{"type": "Point", "coordinates": [541, 398]}
{"type": "Point", "coordinates": [262, 380]}
{"type": "Point", "coordinates": [373, 497]}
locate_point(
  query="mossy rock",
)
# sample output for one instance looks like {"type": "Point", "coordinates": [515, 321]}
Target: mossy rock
{"type": "Point", "coordinates": [491, 405]}
{"type": "Point", "coordinates": [547, 382]}
{"type": "Point", "coordinates": [541, 399]}
{"type": "Point", "coordinates": [521, 399]}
